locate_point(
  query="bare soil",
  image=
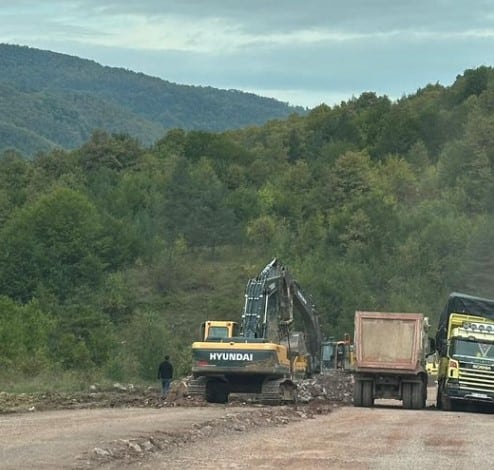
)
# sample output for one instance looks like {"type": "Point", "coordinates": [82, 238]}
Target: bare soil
{"type": "Point", "coordinates": [132, 428]}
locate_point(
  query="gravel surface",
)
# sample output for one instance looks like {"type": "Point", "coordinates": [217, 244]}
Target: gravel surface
{"type": "Point", "coordinates": [384, 437]}
{"type": "Point", "coordinates": [137, 430]}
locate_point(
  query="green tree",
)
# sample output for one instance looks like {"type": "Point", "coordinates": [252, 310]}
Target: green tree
{"type": "Point", "coordinates": [112, 151]}
{"type": "Point", "coordinates": [15, 177]}
{"type": "Point", "coordinates": [196, 207]}
{"type": "Point", "coordinates": [53, 242]}
{"type": "Point", "coordinates": [24, 336]}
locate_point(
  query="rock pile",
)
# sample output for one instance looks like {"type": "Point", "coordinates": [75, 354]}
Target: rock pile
{"type": "Point", "coordinates": [335, 386]}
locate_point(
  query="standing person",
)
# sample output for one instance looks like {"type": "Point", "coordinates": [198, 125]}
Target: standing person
{"type": "Point", "coordinates": [165, 374]}
{"type": "Point", "coordinates": [340, 356]}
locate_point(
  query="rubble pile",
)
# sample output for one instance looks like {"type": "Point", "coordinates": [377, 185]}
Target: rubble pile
{"type": "Point", "coordinates": [335, 386]}
{"type": "Point", "coordinates": [96, 397]}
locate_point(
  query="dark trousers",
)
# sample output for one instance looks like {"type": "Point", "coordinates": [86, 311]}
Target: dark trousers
{"type": "Point", "coordinates": [165, 386]}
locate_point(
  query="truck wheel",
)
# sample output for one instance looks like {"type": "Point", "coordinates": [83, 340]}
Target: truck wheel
{"type": "Point", "coordinates": [406, 393]}
{"type": "Point", "coordinates": [446, 404]}
{"type": "Point", "coordinates": [443, 402]}
{"type": "Point", "coordinates": [418, 401]}
{"type": "Point", "coordinates": [357, 393]}
{"type": "Point", "coordinates": [367, 397]}
{"type": "Point", "coordinates": [426, 390]}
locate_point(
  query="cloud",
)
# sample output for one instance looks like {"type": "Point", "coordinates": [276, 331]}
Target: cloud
{"type": "Point", "coordinates": [261, 16]}
{"type": "Point", "coordinates": [293, 49]}
{"type": "Point", "coordinates": [226, 25]}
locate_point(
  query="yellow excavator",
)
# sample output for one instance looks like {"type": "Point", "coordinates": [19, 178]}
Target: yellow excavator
{"type": "Point", "coordinates": [261, 354]}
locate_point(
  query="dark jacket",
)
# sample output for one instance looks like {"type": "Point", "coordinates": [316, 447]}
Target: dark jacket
{"type": "Point", "coordinates": [165, 370]}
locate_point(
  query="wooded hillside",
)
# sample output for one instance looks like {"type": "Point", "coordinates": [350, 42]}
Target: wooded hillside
{"type": "Point", "coordinates": [113, 253]}
{"type": "Point", "coordinates": [50, 100]}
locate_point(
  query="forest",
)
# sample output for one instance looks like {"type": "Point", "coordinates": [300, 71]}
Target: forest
{"type": "Point", "coordinates": [50, 100]}
{"type": "Point", "coordinates": [112, 254]}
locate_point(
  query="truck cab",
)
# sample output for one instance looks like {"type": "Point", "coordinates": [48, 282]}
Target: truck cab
{"type": "Point", "coordinates": [466, 368]}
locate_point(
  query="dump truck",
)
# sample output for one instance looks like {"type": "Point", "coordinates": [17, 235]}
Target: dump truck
{"type": "Point", "coordinates": [263, 353]}
{"type": "Point", "coordinates": [465, 346]}
{"type": "Point", "coordinates": [390, 358]}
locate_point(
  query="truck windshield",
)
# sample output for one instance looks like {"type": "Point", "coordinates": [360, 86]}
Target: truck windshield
{"type": "Point", "coordinates": [466, 348]}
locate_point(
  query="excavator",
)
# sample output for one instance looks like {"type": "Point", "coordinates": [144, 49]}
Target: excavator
{"type": "Point", "coordinates": [262, 354]}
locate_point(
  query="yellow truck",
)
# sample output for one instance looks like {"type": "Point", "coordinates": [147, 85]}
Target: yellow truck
{"type": "Point", "coordinates": [465, 345]}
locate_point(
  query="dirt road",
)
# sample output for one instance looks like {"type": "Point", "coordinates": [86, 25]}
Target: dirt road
{"type": "Point", "coordinates": [225, 437]}
{"type": "Point", "coordinates": [62, 439]}
{"type": "Point", "coordinates": [350, 438]}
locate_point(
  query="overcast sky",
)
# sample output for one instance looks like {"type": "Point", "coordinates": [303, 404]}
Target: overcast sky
{"type": "Point", "coordinates": [304, 52]}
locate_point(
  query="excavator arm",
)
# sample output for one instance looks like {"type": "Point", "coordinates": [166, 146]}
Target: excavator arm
{"type": "Point", "coordinates": [312, 327]}
{"type": "Point", "coordinates": [267, 353]}
{"type": "Point", "coordinates": [270, 301]}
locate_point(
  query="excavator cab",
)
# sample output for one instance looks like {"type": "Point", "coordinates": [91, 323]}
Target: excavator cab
{"type": "Point", "coordinates": [218, 330]}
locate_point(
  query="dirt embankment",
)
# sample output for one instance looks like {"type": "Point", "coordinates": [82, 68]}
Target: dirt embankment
{"type": "Point", "coordinates": [335, 386]}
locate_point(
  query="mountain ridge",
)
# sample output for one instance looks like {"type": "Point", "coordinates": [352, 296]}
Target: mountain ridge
{"type": "Point", "coordinates": [61, 99]}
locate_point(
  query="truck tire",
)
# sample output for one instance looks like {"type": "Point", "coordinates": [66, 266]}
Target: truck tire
{"type": "Point", "coordinates": [418, 397]}
{"type": "Point", "coordinates": [443, 402]}
{"type": "Point", "coordinates": [367, 395]}
{"type": "Point", "coordinates": [357, 393]}
{"type": "Point", "coordinates": [446, 404]}
{"type": "Point", "coordinates": [406, 392]}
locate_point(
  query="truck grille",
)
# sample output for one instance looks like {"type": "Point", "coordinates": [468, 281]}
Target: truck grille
{"type": "Point", "coordinates": [476, 380]}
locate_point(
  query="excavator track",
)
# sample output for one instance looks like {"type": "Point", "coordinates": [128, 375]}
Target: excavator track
{"type": "Point", "coordinates": [197, 387]}
{"type": "Point", "coordinates": [278, 392]}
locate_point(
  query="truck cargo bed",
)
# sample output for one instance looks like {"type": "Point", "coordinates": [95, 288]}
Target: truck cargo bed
{"type": "Point", "coordinates": [388, 341]}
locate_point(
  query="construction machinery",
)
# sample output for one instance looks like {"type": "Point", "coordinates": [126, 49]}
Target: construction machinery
{"type": "Point", "coordinates": [432, 367]}
{"type": "Point", "coordinates": [262, 354]}
{"type": "Point", "coordinates": [337, 355]}
{"type": "Point", "coordinates": [465, 346]}
{"type": "Point", "coordinates": [391, 351]}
